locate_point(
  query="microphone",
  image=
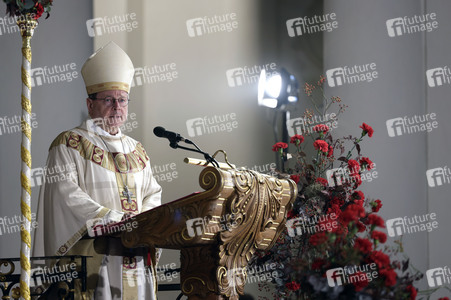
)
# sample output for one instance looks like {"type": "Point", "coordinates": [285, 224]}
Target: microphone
{"type": "Point", "coordinates": [173, 137]}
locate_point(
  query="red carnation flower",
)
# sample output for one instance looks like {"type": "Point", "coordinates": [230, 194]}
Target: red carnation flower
{"type": "Point", "coordinates": [374, 219]}
{"type": "Point", "coordinates": [390, 276]}
{"type": "Point", "coordinates": [278, 146]}
{"type": "Point", "coordinates": [366, 162]}
{"type": "Point", "coordinates": [379, 258]}
{"type": "Point", "coordinates": [295, 178]}
{"type": "Point", "coordinates": [379, 235]}
{"type": "Point", "coordinates": [318, 238]}
{"type": "Point", "coordinates": [321, 128]}
{"type": "Point", "coordinates": [363, 245]}
{"type": "Point", "coordinates": [360, 226]}
{"type": "Point", "coordinates": [340, 230]}
{"type": "Point", "coordinates": [331, 151]}
{"type": "Point", "coordinates": [367, 129]}
{"type": "Point", "coordinates": [443, 298]}
{"type": "Point", "coordinates": [334, 209]}
{"type": "Point", "coordinates": [360, 281]}
{"type": "Point", "coordinates": [357, 179]}
{"type": "Point", "coordinates": [376, 205]}
{"type": "Point", "coordinates": [353, 166]}
{"type": "Point", "coordinates": [321, 145]}
{"type": "Point", "coordinates": [352, 213]}
{"type": "Point", "coordinates": [297, 139]}
{"type": "Point", "coordinates": [322, 181]}
{"type": "Point", "coordinates": [293, 286]}
{"type": "Point", "coordinates": [357, 195]}
{"type": "Point", "coordinates": [337, 201]}
{"type": "Point", "coordinates": [318, 263]}
{"type": "Point", "coordinates": [359, 202]}
{"type": "Point", "coordinates": [329, 224]}
{"type": "Point", "coordinates": [39, 10]}
{"type": "Point", "coordinates": [413, 292]}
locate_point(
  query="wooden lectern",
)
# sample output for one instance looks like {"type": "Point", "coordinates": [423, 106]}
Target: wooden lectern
{"type": "Point", "coordinates": [218, 230]}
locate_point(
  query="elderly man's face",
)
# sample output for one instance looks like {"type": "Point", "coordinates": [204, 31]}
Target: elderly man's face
{"type": "Point", "coordinates": [113, 115]}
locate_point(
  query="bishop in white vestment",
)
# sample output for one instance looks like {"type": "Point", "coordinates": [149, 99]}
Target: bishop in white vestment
{"type": "Point", "coordinates": [107, 177]}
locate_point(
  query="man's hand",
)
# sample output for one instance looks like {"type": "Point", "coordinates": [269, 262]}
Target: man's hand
{"type": "Point", "coordinates": [128, 215]}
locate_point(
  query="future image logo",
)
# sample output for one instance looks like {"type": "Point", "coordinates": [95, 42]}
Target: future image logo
{"type": "Point", "coordinates": [16, 224]}
{"type": "Point", "coordinates": [408, 225]}
{"type": "Point", "coordinates": [342, 175]}
{"type": "Point", "coordinates": [351, 274]}
{"type": "Point", "coordinates": [268, 169]}
{"type": "Point", "coordinates": [114, 24]}
{"type": "Point", "coordinates": [167, 172]}
{"type": "Point", "coordinates": [210, 125]}
{"type": "Point", "coordinates": [249, 74]}
{"type": "Point", "coordinates": [395, 227]}
{"type": "Point", "coordinates": [253, 274]}
{"type": "Point", "coordinates": [196, 227]}
{"type": "Point", "coordinates": [310, 25]}
{"type": "Point", "coordinates": [100, 226]}
{"type": "Point", "coordinates": [438, 76]}
{"type": "Point", "coordinates": [155, 74]}
{"type": "Point", "coordinates": [438, 276]}
{"type": "Point", "coordinates": [209, 25]}
{"type": "Point", "coordinates": [13, 124]}
{"type": "Point", "coordinates": [408, 125]}
{"type": "Point", "coordinates": [298, 226]}
{"type": "Point", "coordinates": [408, 25]}
{"type": "Point", "coordinates": [56, 173]}
{"type": "Point", "coordinates": [53, 74]}
{"type": "Point", "coordinates": [57, 273]}
{"type": "Point", "coordinates": [304, 125]}
{"type": "Point", "coordinates": [438, 176]}
{"type": "Point", "coordinates": [349, 75]}
{"type": "Point", "coordinates": [210, 225]}
{"type": "Point", "coordinates": [164, 273]}
{"type": "Point", "coordinates": [97, 125]}
{"type": "Point", "coordinates": [8, 25]}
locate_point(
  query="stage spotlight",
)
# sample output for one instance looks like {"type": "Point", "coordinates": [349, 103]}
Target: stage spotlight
{"type": "Point", "coordinates": [278, 90]}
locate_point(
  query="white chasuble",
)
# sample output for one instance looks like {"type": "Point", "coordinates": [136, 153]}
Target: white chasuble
{"type": "Point", "coordinates": [97, 176]}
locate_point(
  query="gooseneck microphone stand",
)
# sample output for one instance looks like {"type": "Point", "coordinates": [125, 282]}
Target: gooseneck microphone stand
{"type": "Point", "coordinates": [174, 144]}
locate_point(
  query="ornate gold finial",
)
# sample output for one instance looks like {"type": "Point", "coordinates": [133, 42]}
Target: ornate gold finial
{"type": "Point", "coordinates": [27, 23]}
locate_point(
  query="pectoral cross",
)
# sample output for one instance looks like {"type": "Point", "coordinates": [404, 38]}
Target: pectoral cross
{"type": "Point", "coordinates": [128, 194]}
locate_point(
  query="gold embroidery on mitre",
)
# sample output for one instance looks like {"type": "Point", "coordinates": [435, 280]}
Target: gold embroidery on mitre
{"type": "Point", "coordinates": [107, 86]}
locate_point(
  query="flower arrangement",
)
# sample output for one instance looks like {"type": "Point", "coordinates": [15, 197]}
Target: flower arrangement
{"type": "Point", "coordinates": [333, 247]}
{"type": "Point", "coordinates": [24, 7]}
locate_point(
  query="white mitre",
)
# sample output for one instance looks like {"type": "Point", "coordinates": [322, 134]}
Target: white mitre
{"type": "Point", "coordinates": [109, 68]}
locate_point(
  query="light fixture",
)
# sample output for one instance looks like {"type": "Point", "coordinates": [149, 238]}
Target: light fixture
{"type": "Point", "coordinates": [277, 90]}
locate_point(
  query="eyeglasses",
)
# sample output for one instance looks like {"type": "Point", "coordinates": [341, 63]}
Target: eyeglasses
{"type": "Point", "coordinates": [109, 101]}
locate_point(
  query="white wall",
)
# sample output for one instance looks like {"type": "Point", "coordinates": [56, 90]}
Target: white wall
{"type": "Point", "coordinates": [400, 90]}
{"type": "Point", "coordinates": [438, 144]}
